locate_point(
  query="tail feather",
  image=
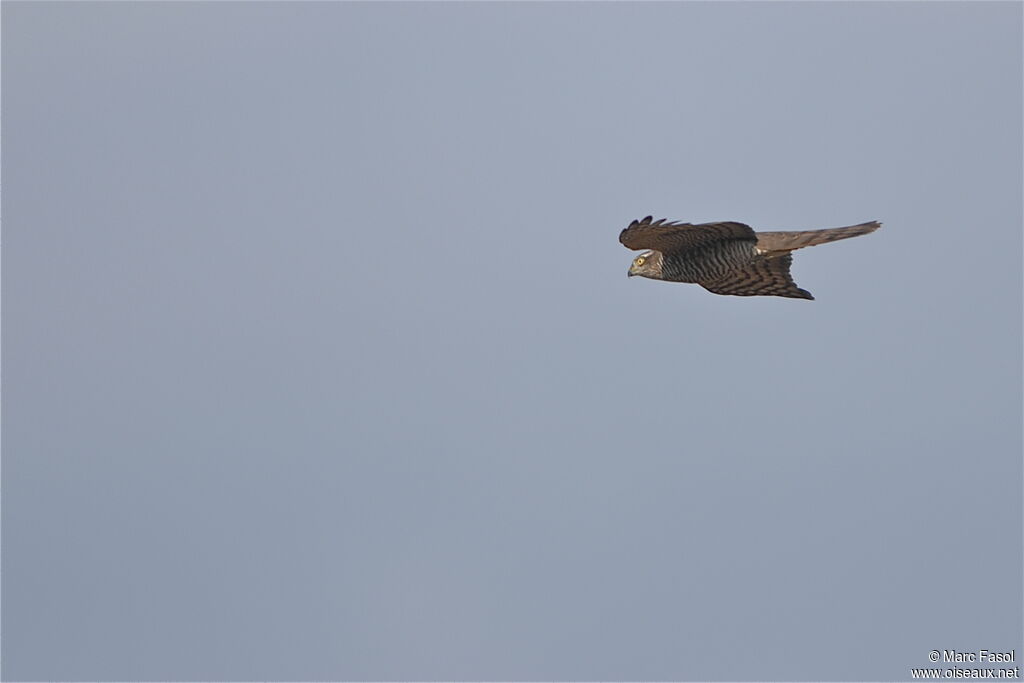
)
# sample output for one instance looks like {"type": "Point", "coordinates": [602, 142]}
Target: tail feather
{"type": "Point", "coordinates": [788, 241]}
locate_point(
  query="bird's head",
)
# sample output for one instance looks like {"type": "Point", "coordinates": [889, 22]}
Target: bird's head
{"type": "Point", "coordinates": [646, 264]}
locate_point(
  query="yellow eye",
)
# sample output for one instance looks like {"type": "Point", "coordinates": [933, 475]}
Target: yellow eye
{"type": "Point", "coordinates": [639, 260]}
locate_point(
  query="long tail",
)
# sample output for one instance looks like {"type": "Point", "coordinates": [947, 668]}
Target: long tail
{"type": "Point", "coordinates": [788, 241]}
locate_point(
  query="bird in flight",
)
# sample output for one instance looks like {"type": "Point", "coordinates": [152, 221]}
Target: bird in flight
{"type": "Point", "coordinates": [726, 258]}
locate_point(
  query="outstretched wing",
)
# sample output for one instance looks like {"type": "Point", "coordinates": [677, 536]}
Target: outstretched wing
{"type": "Point", "coordinates": [678, 237]}
{"type": "Point", "coordinates": [787, 241]}
{"type": "Point", "coordinates": [763, 277]}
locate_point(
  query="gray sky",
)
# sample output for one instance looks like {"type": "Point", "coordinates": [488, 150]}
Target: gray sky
{"type": "Point", "coordinates": [321, 362]}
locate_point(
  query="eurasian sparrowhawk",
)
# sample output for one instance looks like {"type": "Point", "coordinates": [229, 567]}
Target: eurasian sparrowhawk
{"type": "Point", "coordinates": [726, 258]}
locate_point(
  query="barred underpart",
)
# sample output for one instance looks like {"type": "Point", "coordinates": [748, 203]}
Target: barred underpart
{"type": "Point", "coordinates": [709, 262]}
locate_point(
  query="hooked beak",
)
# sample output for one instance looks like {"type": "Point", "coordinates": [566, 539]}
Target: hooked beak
{"type": "Point", "coordinates": [630, 273]}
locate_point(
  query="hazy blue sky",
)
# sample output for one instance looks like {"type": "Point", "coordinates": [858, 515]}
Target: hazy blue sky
{"type": "Point", "coordinates": [321, 362]}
